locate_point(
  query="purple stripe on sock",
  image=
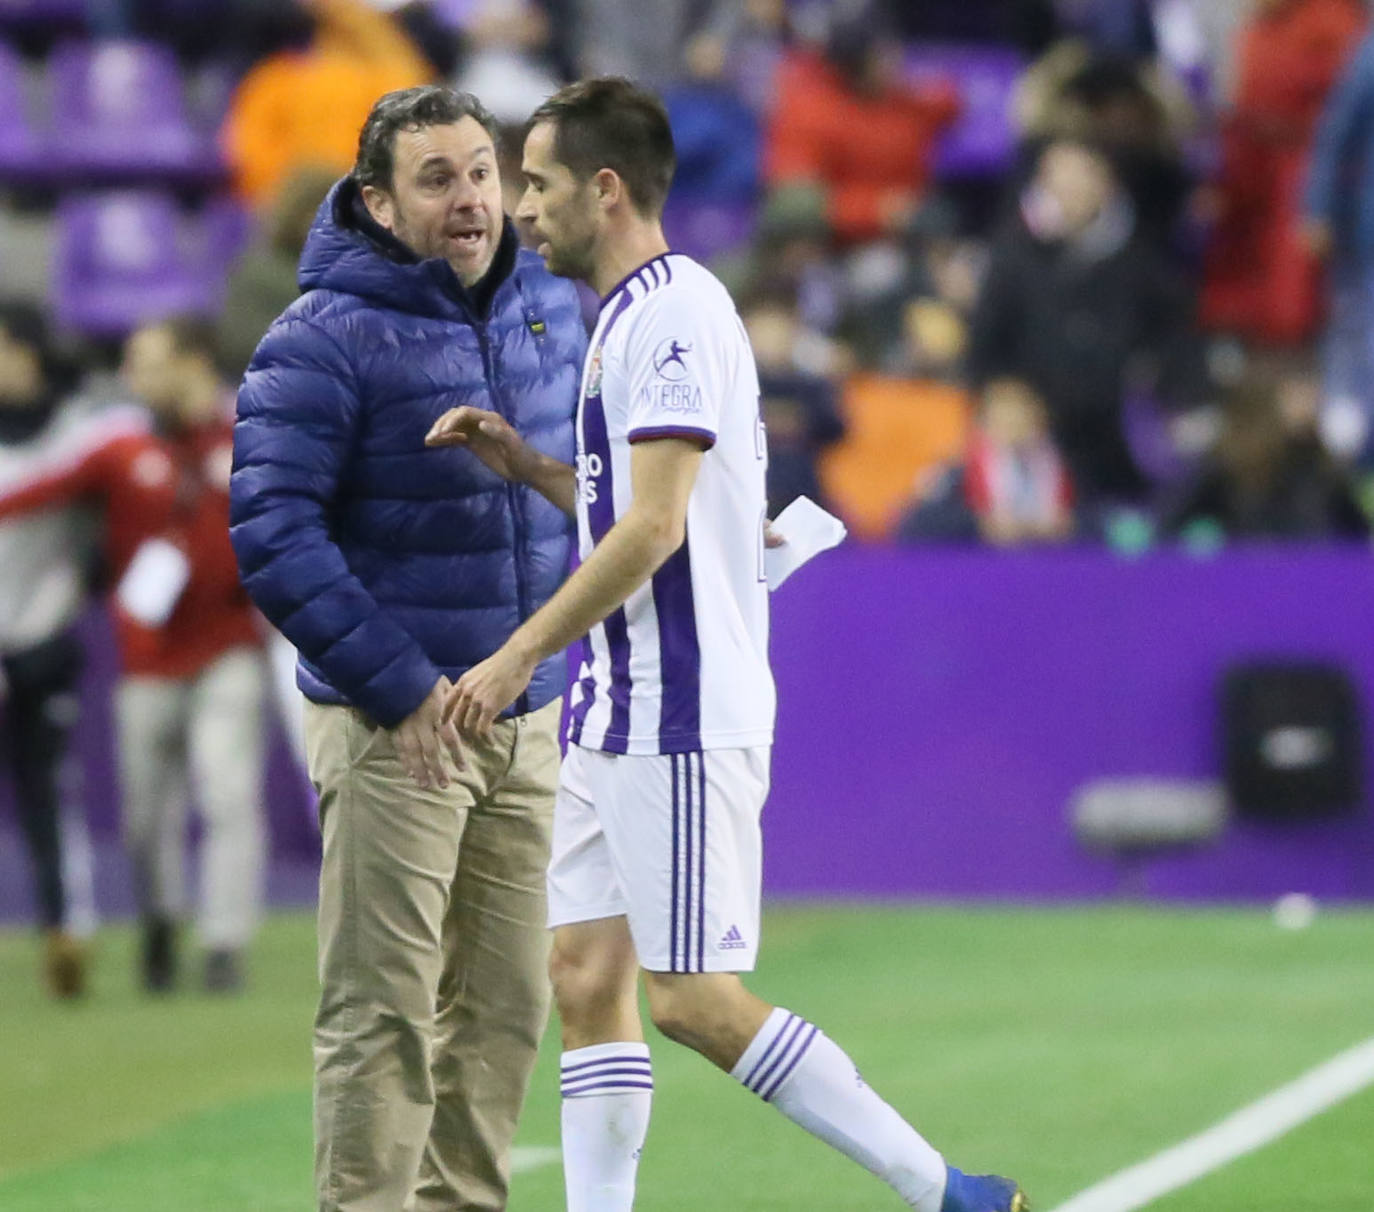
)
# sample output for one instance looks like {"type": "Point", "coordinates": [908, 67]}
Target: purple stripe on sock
{"type": "Point", "coordinates": [790, 1035]}
{"type": "Point", "coordinates": [617, 1087]}
{"type": "Point", "coordinates": [612, 1071]}
{"type": "Point", "coordinates": [606, 1060]}
{"type": "Point", "coordinates": [768, 1052]}
{"type": "Point", "coordinates": [792, 1064]}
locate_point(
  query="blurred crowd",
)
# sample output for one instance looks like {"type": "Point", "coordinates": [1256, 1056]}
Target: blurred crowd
{"type": "Point", "coordinates": [1015, 272]}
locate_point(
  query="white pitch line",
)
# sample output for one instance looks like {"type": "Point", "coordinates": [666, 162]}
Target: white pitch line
{"type": "Point", "coordinates": [533, 1157]}
{"type": "Point", "coordinates": [1240, 1133]}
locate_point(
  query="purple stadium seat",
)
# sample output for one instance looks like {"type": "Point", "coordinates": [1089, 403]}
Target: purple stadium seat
{"type": "Point", "coordinates": [705, 230]}
{"type": "Point", "coordinates": [119, 113]}
{"type": "Point", "coordinates": [222, 230]}
{"type": "Point", "coordinates": [119, 263]}
{"type": "Point", "coordinates": [20, 149]}
{"type": "Point", "coordinates": [982, 142]}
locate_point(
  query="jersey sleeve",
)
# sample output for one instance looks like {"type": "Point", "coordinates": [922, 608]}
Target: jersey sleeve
{"type": "Point", "coordinates": [677, 357]}
{"type": "Point", "coordinates": [86, 468]}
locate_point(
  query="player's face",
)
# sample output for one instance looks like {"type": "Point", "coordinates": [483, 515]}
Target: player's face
{"type": "Point", "coordinates": [445, 196]}
{"type": "Point", "coordinates": [557, 210]}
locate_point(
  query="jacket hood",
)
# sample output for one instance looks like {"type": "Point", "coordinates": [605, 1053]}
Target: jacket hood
{"type": "Point", "coordinates": [349, 252]}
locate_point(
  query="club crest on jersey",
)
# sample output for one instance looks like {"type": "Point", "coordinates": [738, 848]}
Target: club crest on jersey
{"type": "Point", "coordinates": [594, 373]}
{"type": "Point", "coordinates": [668, 360]}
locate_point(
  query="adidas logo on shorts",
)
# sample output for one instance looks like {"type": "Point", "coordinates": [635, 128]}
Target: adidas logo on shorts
{"type": "Point", "coordinates": [733, 940]}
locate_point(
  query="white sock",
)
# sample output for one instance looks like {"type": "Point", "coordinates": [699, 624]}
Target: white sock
{"type": "Point", "coordinates": [607, 1090]}
{"type": "Point", "coordinates": [808, 1077]}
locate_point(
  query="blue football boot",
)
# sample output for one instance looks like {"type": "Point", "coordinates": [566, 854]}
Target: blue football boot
{"type": "Point", "coordinates": [982, 1193]}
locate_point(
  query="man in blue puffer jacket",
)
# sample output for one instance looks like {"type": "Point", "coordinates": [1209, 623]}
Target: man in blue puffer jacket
{"type": "Point", "coordinates": [393, 569]}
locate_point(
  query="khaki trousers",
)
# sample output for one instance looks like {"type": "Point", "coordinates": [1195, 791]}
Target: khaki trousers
{"type": "Point", "coordinates": [433, 952]}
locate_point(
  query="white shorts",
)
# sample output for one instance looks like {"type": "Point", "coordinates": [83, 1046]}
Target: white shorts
{"type": "Point", "coordinates": [671, 842]}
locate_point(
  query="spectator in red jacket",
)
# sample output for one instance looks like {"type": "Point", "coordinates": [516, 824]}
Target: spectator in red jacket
{"type": "Point", "coordinates": [190, 701]}
{"type": "Point", "coordinates": [1262, 281]}
{"type": "Point", "coordinates": [847, 122]}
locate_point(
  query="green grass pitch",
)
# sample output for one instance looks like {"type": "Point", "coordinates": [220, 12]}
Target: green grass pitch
{"type": "Point", "coordinates": [1055, 1044]}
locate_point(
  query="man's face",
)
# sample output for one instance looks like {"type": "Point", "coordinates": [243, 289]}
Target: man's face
{"type": "Point", "coordinates": [21, 373]}
{"type": "Point", "coordinates": [152, 370]}
{"type": "Point", "coordinates": [1079, 181]}
{"type": "Point", "coordinates": [559, 212]}
{"type": "Point", "coordinates": [1013, 414]}
{"type": "Point", "coordinates": [445, 196]}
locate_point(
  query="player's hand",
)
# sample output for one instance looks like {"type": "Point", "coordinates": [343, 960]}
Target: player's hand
{"type": "Point", "coordinates": [772, 537]}
{"type": "Point", "coordinates": [423, 736]}
{"type": "Point", "coordinates": [486, 690]}
{"type": "Point", "coordinates": [489, 436]}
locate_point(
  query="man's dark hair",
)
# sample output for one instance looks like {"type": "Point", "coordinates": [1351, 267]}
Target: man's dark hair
{"type": "Point", "coordinates": [610, 122]}
{"type": "Point", "coordinates": [411, 109]}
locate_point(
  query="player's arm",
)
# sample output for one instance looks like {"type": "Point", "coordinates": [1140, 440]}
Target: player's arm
{"type": "Point", "coordinates": [86, 475]}
{"type": "Point", "coordinates": [495, 441]}
{"type": "Point", "coordinates": [662, 472]}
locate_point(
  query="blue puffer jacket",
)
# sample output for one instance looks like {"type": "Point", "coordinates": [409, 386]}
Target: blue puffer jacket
{"type": "Point", "coordinates": [384, 563]}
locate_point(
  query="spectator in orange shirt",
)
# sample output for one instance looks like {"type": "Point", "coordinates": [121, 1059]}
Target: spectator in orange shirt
{"type": "Point", "coordinates": [847, 122]}
{"type": "Point", "coordinates": [189, 707]}
{"type": "Point", "coordinates": [307, 106]}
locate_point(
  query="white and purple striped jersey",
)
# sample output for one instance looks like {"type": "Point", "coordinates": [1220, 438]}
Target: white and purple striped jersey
{"type": "Point", "coordinates": [683, 664]}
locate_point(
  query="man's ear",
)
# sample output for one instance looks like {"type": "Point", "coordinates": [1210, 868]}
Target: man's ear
{"type": "Point", "coordinates": [381, 206]}
{"type": "Point", "coordinates": [610, 189]}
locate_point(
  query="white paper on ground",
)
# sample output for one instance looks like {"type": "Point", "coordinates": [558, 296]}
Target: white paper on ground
{"type": "Point", "coordinates": [151, 586]}
{"type": "Point", "coordinates": [809, 530]}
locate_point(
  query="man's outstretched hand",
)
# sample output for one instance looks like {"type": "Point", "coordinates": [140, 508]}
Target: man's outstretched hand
{"type": "Point", "coordinates": [489, 436]}
{"type": "Point", "coordinates": [486, 690]}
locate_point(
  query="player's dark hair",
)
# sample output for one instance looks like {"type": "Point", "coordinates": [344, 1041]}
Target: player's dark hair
{"type": "Point", "coordinates": [411, 109]}
{"type": "Point", "coordinates": [610, 122]}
